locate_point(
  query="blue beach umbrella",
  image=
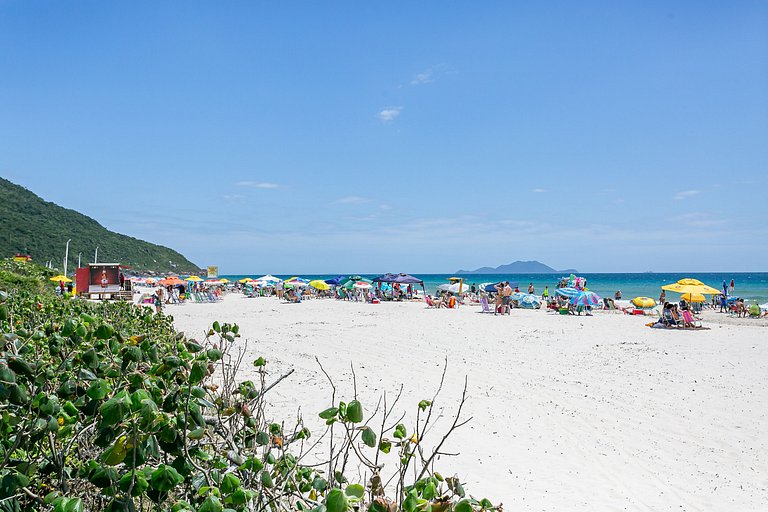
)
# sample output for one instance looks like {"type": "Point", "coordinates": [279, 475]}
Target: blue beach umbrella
{"type": "Point", "coordinates": [529, 301]}
{"type": "Point", "coordinates": [568, 291]}
{"type": "Point", "coordinates": [585, 299]}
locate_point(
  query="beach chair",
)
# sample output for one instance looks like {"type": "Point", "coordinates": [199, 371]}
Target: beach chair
{"type": "Point", "coordinates": [690, 320]}
{"type": "Point", "coordinates": [485, 306]}
{"type": "Point", "coordinates": [430, 303]}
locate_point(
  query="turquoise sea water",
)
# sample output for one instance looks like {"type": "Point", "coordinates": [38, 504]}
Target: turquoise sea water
{"type": "Point", "coordinates": [752, 286]}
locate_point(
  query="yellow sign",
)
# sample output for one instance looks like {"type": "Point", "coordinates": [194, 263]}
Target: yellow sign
{"type": "Point", "coordinates": [213, 271]}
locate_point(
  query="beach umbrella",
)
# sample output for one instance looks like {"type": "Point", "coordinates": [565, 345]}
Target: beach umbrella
{"type": "Point", "coordinates": [362, 285]}
{"type": "Point", "coordinates": [693, 297]}
{"type": "Point", "coordinates": [170, 281]}
{"type": "Point", "coordinates": [689, 285]}
{"type": "Point", "coordinates": [225, 280]}
{"type": "Point", "coordinates": [296, 282]}
{"type": "Point", "coordinates": [452, 287]}
{"type": "Point", "coordinates": [245, 280]}
{"type": "Point", "coordinates": [336, 280]}
{"type": "Point", "coordinates": [319, 284]}
{"type": "Point", "coordinates": [269, 279]}
{"type": "Point", "coordinates": [350, 282]}
{"type": "Point", "coordinates": [61, 277]}
{"type": "Point", "coordinates": [568, 292]}
{"type": "Point", "coordinates": [529, 301]}
{"type": "Point", "coordinates": [643, 302]}
{"type": "Point", "coordinates": [194, 278]}
{"type": "Point", "coordinates": [585, 299]}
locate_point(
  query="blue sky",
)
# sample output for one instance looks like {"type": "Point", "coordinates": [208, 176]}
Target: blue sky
{"type": "Point", "coordinates": [316, 137]}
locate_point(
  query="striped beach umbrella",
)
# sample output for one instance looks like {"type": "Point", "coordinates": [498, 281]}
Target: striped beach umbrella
{"type": "Point", "coordinates": [568, 291]}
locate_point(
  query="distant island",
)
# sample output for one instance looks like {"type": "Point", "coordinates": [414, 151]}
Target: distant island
{"type": "Point", "coordinates": [519, 267]}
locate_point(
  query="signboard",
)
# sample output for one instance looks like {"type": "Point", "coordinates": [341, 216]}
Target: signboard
{"type": "Point", "coordinates": [213, 271]}
{"type": "Point", "coordinates": [103, 278]}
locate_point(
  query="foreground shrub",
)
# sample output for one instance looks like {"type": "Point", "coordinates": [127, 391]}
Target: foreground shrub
{"type": "Point", "coordinates": [105, 407]}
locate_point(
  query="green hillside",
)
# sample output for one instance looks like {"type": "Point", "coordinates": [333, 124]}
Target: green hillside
{"type": "Point", "coordinates": [39, 228]}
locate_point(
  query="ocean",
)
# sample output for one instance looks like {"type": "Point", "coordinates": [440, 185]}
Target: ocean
{"type": "Point", "coordinates": [752, 286]}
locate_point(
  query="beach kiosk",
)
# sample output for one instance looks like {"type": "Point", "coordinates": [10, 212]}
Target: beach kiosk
{"type": "Point", "coordinates": [100, 281]}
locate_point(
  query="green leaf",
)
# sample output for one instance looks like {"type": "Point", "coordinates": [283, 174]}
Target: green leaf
{"type": "Point", "coordinates": [336, 501]}
{"type": "Point", "coordinates": [462, 506]}
{"type": "Point", "coordinates": [329, 413]}
{"type": "Point", "coordinates": [211, 504]}
{"type": "Point", "coordinates": [430, 491]}
{"type": "Point", "coordinates": [266, 480]}
{"type": "Point", "coordinates": [355, 411]}
{"type": "Point", "coordinates": [385, 445]}
{"type": "Point", "coordinates": [216, 326]}
{"type": "Point", "coordinates": [99, 389]}
{"type": "Point", "coordinates": [355, 490]}
{"type": "Point", "coordinates": [229, 483]}
{"type": "Point", "coordinates": [165, 478]}
{"type": "Point", "coordinates": [116, 409]}
{"type": "Point", "coordinates": [411, 502]}
{"type": "Point", "coordinates": [369, 437]}
{"type": "Point", "coordinates": [198, 372]}
{"type": "Point", "coordinates": [424, 404]}
{"type": "Point", "coordinates": [400, 432]}
{"type": "Point", "coordinates": [259, 362]}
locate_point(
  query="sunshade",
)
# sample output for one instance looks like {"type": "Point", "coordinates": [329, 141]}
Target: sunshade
{"type": "Point", "coordinates": [269, 278]}
{"type": "Point", "coordinates": [349, 283]}
{"type": "Point", "coordinates": [585, 299]}
{"type": "Point", "coordinates": [224, 280]}
{"type": "Point", "coordinates": [361, 285]}
{"type": "Point", "coordinates": [297, 282]}
{"type": "Point", "coordinates": [453, 288]}
{"type": "Point", "coordinates": [567, 292]}
{"type": "Point", "coordinates": [689, 285]}
{"type": "Point", "coordinates": [528, 301]}
{"type": "Point", "coordinates": [336, 280]}
{"type": "Point", "coordinates": [319, 284]}
{"type": "Point", "coordinates": [61, 277]}
{"type": "Point", "coordinates": [245, 280]}
{"type": "Point", "coordinates": [643, 302]}
{"type": "Point", "coordinates": [194, 278]}
{"type": "Point", "coordinates": [694, 297]}
{"type": "Point", "coordinates": [171, 281]}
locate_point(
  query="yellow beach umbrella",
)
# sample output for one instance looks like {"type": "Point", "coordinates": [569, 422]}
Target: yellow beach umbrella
{"type": "Point", "coordinates": [224, 280]}
{"type": "Point", "coordinates": [61, 277]}
{"type": "Point", "coordinates": [245, 280]}
{"type": "Point", "coordinates": [690, 286]}
{"type": "Point", "coordinates": [194, 278]}
{"type": "Point", "coordinates": [643, 302]}
{"type": "Point", "coordinates": [694, 297]}
{"type": "Point", "coordinates": [318, 284]}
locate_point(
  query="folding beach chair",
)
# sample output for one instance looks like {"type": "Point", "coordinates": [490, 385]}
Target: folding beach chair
{"type": "Point", "coordinates": [484, 304]}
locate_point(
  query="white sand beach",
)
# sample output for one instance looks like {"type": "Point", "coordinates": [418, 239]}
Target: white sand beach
{"type": "Point", "coordinates": [569, 413]}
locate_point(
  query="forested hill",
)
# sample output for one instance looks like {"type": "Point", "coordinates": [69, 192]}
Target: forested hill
{"type": "Point", "coordinates": [39, 228]}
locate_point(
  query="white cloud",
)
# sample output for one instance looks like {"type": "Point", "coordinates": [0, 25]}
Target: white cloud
{"type": "Point", "coordinates": [685, 194]}
{"type": "Point", "coordinates": [353, 200]}
{"type": "Point", "coordinates": [257, 184]}
{"type": "Point", "coordinates": [389, 114]}
{"type": "Point", "coordinates": [539, 190]}
{"type": "Point", "coordinates": [425, 77]}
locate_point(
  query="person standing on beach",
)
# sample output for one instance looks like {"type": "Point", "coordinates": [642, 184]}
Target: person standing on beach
{"type": "Point", "coordinates": [663, 297]}
{"type": "Point", "coordinates": [545, 293]}
{"type": "Point", "coordinates": [733, 285]}
{"type": "Point", "coordinates": [530, 288]}
{"type": "Point", "coordinates": [725, 288]}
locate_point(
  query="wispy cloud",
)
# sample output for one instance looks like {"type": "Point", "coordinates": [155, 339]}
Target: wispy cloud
{"type": "Point", "coordinates": [257, 184]}
{"type": "Point", "coordinates": [539, 190]}
{"type": "Point", "coordinates": [700, 220]}
{"type": "Point", "coordinates": [389, 114]}
{"type": "Point", "coordinates": [685, 194]}
{"type": "Point", "coordinates": [353, 200]}
{"type": "Point", "coordinates": [425, 77]}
